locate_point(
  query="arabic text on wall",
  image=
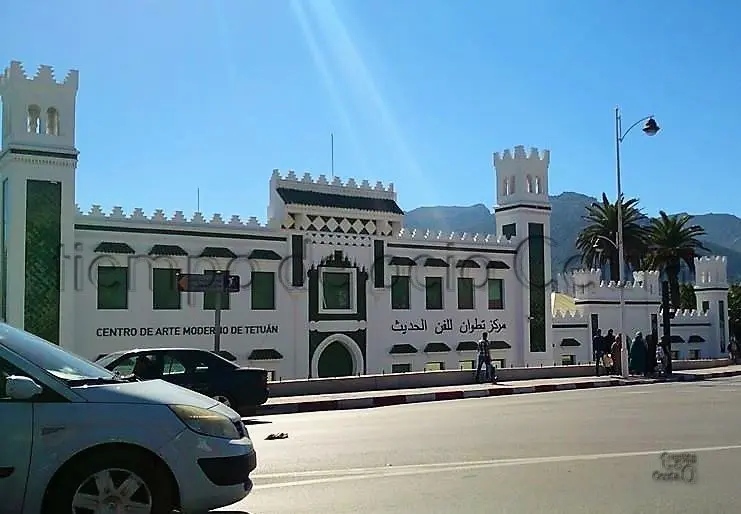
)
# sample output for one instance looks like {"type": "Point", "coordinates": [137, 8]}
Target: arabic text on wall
{"type": "Point", "coordinates": [468, 326]}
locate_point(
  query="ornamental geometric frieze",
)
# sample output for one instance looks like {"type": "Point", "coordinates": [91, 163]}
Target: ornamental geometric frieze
{"type": "Point", "coordinates": [338, 225]}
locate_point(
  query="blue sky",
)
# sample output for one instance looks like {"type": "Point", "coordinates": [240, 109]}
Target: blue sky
{"type": "Point", "coordinates": [177, 95]}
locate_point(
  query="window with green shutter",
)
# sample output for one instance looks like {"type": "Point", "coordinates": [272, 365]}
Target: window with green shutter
{"type": "Point", "coordinates": [465, 293]}
{"type": "Point", "coordinates": [496, 293]}
{"type": "Point", "coordinates": [262, 288]}
{"type": "Point", "coordinates": [434, 293]}
{"type": "Point", "coordinates": [165, 293]}
{"type": "Point", "coordinates": [113, 287]}
{"type": "Point", "coordinates": [400, 288]}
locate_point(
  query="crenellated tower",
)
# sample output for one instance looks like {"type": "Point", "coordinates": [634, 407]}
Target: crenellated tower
{"type": "Point", "coordinates": [711, 291]}
{"type": "Point", "coordinates": [523, 213]}
{"type": "Point", "coordinates": [37, 171]}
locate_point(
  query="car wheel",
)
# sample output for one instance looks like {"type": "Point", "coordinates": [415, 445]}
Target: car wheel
{"type": "Point", "coordinates": [112, 482]}
{"type": "Point", "coordinates": [225, 400]}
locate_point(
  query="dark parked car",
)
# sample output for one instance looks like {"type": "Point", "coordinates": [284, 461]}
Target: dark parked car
{"type": "Point", "coordinates": [242, 389]}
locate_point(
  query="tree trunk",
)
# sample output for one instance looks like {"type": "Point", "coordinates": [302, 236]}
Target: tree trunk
{"type": "Point", "coordinates": [672, 273]}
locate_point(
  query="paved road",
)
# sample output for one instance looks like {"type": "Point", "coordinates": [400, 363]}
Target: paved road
{"type": "Point", "coordinates": [572, 452]}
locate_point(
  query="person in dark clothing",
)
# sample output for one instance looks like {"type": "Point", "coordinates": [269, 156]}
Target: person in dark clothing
{"type": "Point", "coordinates": [485, 359]}
{"type": "Point", "coordinates": [651, 354]}
{"type": "Point", "coordinates": [609, 341]}
{"type": "Point", "coordinates": [733, 351]}
{"type": "Point", "coordinates": [598, 348]}
{"type": "Point", "coordinates": [638, 357]}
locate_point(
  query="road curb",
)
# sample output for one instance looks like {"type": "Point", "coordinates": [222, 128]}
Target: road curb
{"type": "Point", "coordinates": [403, 399]}
{"type": "Point", "coordinates": [706, 376]}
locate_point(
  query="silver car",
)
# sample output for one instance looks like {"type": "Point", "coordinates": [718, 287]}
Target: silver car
{"type": "Point", "coordinates": [77, 438]}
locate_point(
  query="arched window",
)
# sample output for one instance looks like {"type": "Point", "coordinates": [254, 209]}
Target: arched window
{"type": "Point", "coordinates": [529, 184]}
{"type": "Point", "coordinates": [512, 185]}
{"type": "Point", "coordinates": [505, 187]}
{"type": "Point", "coordinates": [52, 122]}
{"type": "Point", "coordinates": [538, 186]}
{"type": "Point", "coordinates": [34, 119]}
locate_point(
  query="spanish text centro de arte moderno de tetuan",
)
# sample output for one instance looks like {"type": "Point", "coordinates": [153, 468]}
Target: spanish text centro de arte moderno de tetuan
{"type": "Point", "coordinates": [192, 330]}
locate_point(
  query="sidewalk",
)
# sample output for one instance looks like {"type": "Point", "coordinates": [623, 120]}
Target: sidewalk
{"type": "Point", "coordinates": [369, 399]}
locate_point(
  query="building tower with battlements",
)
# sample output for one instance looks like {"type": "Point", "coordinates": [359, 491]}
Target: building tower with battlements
{"type": "Point", "coordinates": [37, 169]}
{"type": "Point", "coordinates": [711, 291]}
{"type": "Point", "coordinates": [523, 214]}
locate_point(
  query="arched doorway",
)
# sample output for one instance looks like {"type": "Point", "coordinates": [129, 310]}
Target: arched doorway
{"type": "Point", "coordinates": [337, 356]}
{"type": "Point", "coordinates": [335, 361]}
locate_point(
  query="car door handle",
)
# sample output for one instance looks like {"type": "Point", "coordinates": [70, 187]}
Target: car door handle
{"type": "Point", "coordinates": [6, 471]}
{"type": "Point", "coordinates": [51, 430]}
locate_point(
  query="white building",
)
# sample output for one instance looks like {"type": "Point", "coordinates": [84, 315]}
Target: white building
{"type": "Point", "coordinates": [587, 303]}
{"type": "Point", "coordinates": [331, 285]}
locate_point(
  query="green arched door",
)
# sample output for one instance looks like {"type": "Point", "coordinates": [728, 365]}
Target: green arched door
{"type": "Point", "coordinates": [335, 361]}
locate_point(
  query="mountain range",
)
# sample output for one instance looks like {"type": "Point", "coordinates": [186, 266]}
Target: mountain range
{"type": "Point", "coordinates": [723, 231]}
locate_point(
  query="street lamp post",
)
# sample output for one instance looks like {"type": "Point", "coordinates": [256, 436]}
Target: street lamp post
{"type": "Point", "coordinates": [650, 128]}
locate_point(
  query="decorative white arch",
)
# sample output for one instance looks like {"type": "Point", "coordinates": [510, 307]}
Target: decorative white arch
{"type": "Point", "coordinates": [352, 347]}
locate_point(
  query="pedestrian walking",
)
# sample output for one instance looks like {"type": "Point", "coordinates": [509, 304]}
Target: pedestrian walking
{"type": "Point", "coordinates": [598, 348]}
{"type": "Point", "coordinates": [732, 351]}
{"type": "Point", "coordinates": [617, 346]}
{"type": "Point", "coordinates": [485, 360]}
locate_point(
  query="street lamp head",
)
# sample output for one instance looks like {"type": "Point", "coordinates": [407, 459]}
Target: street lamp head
{"type": "Point", "coordinates": [651, 128]}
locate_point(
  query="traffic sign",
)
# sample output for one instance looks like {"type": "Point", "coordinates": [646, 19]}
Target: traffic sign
{"type": "Point", "coordinates": [208, 282]}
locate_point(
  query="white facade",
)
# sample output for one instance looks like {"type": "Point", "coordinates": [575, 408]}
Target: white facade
{"type": "Point", "coordinates": [701, 333]}
{"type": "Point", "coordinates": [332, 284]}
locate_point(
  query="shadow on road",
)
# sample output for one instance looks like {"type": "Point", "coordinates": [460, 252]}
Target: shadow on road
{"type": "Point", "coordinates": [250, 421]}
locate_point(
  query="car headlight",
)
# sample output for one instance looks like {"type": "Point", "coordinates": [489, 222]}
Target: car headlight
{"type": "Point", "coordinates": [206, 422]}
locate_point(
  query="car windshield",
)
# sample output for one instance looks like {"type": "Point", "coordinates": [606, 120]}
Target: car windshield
{"type": "Point", "coordinates": [107, 359]}
{"type": "Point", "coordinates": [50, 357]}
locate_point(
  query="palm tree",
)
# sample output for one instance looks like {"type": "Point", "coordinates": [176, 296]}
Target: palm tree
{"type": "Point", "coordinates": [673, 241]}
{"type": "Point", "coordinates": [597, 241]}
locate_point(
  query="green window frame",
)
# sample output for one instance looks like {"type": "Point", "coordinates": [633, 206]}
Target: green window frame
{"type": "Point", "coordinates": [495, 291]}
{"type": "Point", "coordinates": [465, 293]}
{"type": "Point", "coordinates": [337, 290]}
{"type": "Point", "coordinates": [113, 288]}
{"type": "Point", "coordinates": [165, 293]}
{"type": "Point", "coordinates": [262, 290]}
{"type": "Point", "coordinates": [434, 293]}
{"type": "Point", "coordinates": [400, 292]}
{"type": "Point", "coordinates": [209, 298]}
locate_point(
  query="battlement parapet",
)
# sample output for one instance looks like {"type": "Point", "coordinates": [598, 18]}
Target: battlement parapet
{"type": "Point", "coordinates": [691, 316]}
{"type": "Point", "coordinates": [711, 271]}
{"type": "Point", "coordinates": [15, 75]}
{"type": "Point", "coordinates": [568, 317]}
{"type": "Point", "coordinates": [117, 214]}
{"type": "Point", "coordinates": [542, 157]}
{"type": "Point", "coordinates": [521, 176]}
{"type": "Point", "coordinates": [454, 237]}
{"type": "Point", "coordinates": [321, 184]}
{"type": "Point", "coordinates": [588, 284]}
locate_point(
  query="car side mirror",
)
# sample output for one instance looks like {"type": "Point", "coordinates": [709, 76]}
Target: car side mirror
{"type": "Point", "coordinates": [21, 388]}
